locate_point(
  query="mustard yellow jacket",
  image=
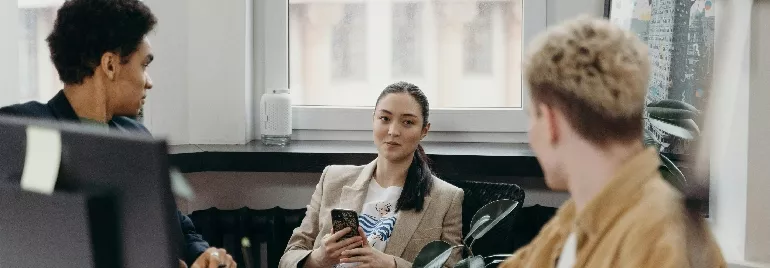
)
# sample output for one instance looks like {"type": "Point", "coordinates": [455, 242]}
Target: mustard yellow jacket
{"type": "Point", "coordinates": [637, 220]}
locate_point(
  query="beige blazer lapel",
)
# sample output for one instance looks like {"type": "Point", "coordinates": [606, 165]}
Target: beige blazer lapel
{"type": "Point", "coordinates": [406, 225]}
{"type": "Point", "coordinates": [353, 196]}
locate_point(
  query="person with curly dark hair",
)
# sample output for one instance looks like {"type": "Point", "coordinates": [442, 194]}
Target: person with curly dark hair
{"type": "Point", "coordinates": [101, 52]}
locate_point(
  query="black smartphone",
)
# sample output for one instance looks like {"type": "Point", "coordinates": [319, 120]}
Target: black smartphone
{"type": "Point", "coordinates": [344, 218]}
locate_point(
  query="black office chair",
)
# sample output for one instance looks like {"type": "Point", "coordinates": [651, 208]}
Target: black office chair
{"type": "Point", "coordinates": [499, 240]}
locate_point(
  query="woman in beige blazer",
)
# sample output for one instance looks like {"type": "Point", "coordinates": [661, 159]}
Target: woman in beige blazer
{"type": "Point", "coordinates": [402, 206]}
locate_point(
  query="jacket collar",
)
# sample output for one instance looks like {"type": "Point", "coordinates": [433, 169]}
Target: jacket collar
{"type": "Point", "coordinates": [622, 192]}
{"type": "Point", "coordinates": [61, 108]}
{"type": "Point", "coordinates": [353, 196]}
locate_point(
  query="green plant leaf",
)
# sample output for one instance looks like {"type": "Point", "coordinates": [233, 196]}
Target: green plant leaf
{"type": "Point", "coordinates": [478, 223]}
{"type": "Point", "coordinates": [688, 124]}
{"type": "Point", "coordinates": [684, 128]}
{"type": "Point", "coordinates": [650, 140]}
{"type": "Point", "coordinates": [670, 113]}
{"type": "Point", "coordinates": [671, 173]}
{"type": "Point", "coordinates": [674, 104]}
{"type": "Point", "coordinates": [430, 252]}
{"type": "Point", "coordinates": [439, 261]}
{"type": "Point", "coordinates": [471, 262]}
{"type": "Point", "coordinates": [488, 217]}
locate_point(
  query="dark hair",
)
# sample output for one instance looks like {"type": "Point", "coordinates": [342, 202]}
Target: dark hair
{"type": "Point", "coordinates": [419, 177]}
{"type": "Point", "coordinates": [86, 29]}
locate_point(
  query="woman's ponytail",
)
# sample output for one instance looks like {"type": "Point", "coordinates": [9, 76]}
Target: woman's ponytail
{"type": "Point", "coordinates": [419, 180]}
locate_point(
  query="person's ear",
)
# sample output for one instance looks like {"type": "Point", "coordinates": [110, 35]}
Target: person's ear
{"type": "Point", "coordinates": [109, 64]}
{"type": "Point", "coordinates": [425, 131]}
{"type": "Point", "coordinates": [553, 129]}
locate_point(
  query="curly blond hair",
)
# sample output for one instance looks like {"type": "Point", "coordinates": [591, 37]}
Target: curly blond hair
{"type": "Point", "coordinates": [596, 73]}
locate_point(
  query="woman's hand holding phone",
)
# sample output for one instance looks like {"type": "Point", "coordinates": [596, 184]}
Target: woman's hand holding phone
{"type": "Point", "coordinates": [331, 249]}
{"type": "Point", "coordinates": [367, 256]}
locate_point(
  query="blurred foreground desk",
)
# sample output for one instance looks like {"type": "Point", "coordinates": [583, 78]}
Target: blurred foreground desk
{"type": "Point", "coordinates": [449, 159]}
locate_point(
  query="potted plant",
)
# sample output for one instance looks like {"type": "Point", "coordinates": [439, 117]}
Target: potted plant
{"type": "Point", "coordinates": [675, 118]}
{"type": "Point", "coordinates": [436, 253]}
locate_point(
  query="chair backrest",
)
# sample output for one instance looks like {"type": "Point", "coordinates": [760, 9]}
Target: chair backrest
{"type": "Point", "coordinates": [478, 194]}
{"type": "Point", "coordinates": [528, 224]}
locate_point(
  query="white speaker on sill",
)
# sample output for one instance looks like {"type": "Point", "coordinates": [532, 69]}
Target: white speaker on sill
{"type": "Point", "coordinates": [275, 117]}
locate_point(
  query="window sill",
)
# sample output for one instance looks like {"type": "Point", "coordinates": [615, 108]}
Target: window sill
{"type": "Point", "coordinates": [449, 158]}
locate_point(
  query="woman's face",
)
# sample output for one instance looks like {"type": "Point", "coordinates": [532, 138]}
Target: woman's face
{"type": "Point", "coordinates": [398, 126]}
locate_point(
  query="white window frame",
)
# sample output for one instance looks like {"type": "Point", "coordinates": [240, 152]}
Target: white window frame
{"type": "Point", "coordinates": [271, 64]}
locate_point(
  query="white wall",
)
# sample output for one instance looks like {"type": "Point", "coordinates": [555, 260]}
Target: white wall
{"type": "Point", "coordinates": [740, 215]}
{"type": "Point", "coordinates": [9, 53]}
{"type": "Point", "coordinates": [728, 168]}
{"type": "Point", "coordinates": [166, 108]}
{"type": "Point", "coordinates": [202, 73]}
{"type": "Point", "coordinates": [218, 62]}
{"type": "Point", "coordinates": [758, 186]}
{"type": "Point", "coordinates": [232, 190]}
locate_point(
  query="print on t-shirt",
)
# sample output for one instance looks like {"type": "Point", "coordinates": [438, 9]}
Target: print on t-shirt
{"type": "Point", "coordinates": [378, 227]}
{"type": "Point", "coordinates": [378, 216]}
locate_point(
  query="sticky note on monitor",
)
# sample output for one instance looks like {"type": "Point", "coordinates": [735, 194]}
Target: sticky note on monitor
{"type": "Point", "coordinates": [42, 161]}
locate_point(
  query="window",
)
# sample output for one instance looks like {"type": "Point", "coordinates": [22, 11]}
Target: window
{"type": "Point", "coordinates": [38, 79]}
{"type": "Point", "coordinates": [477, 50]}
{"type": "Point", "coordinates": [465, 55]}
{"type": "Point", "coordinates": [348, 44]}
{"type": "Point", "coordinates": [408, 40]}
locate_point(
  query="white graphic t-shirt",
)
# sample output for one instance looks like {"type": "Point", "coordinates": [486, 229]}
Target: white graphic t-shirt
{"type": "Point", "coordinates": [378, 215]}
{"type": "Point", "coordinates": [568, 252]}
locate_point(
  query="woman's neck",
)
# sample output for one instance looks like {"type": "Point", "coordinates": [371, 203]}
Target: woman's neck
{"type": "Point", "coordinates": [390, 173]}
